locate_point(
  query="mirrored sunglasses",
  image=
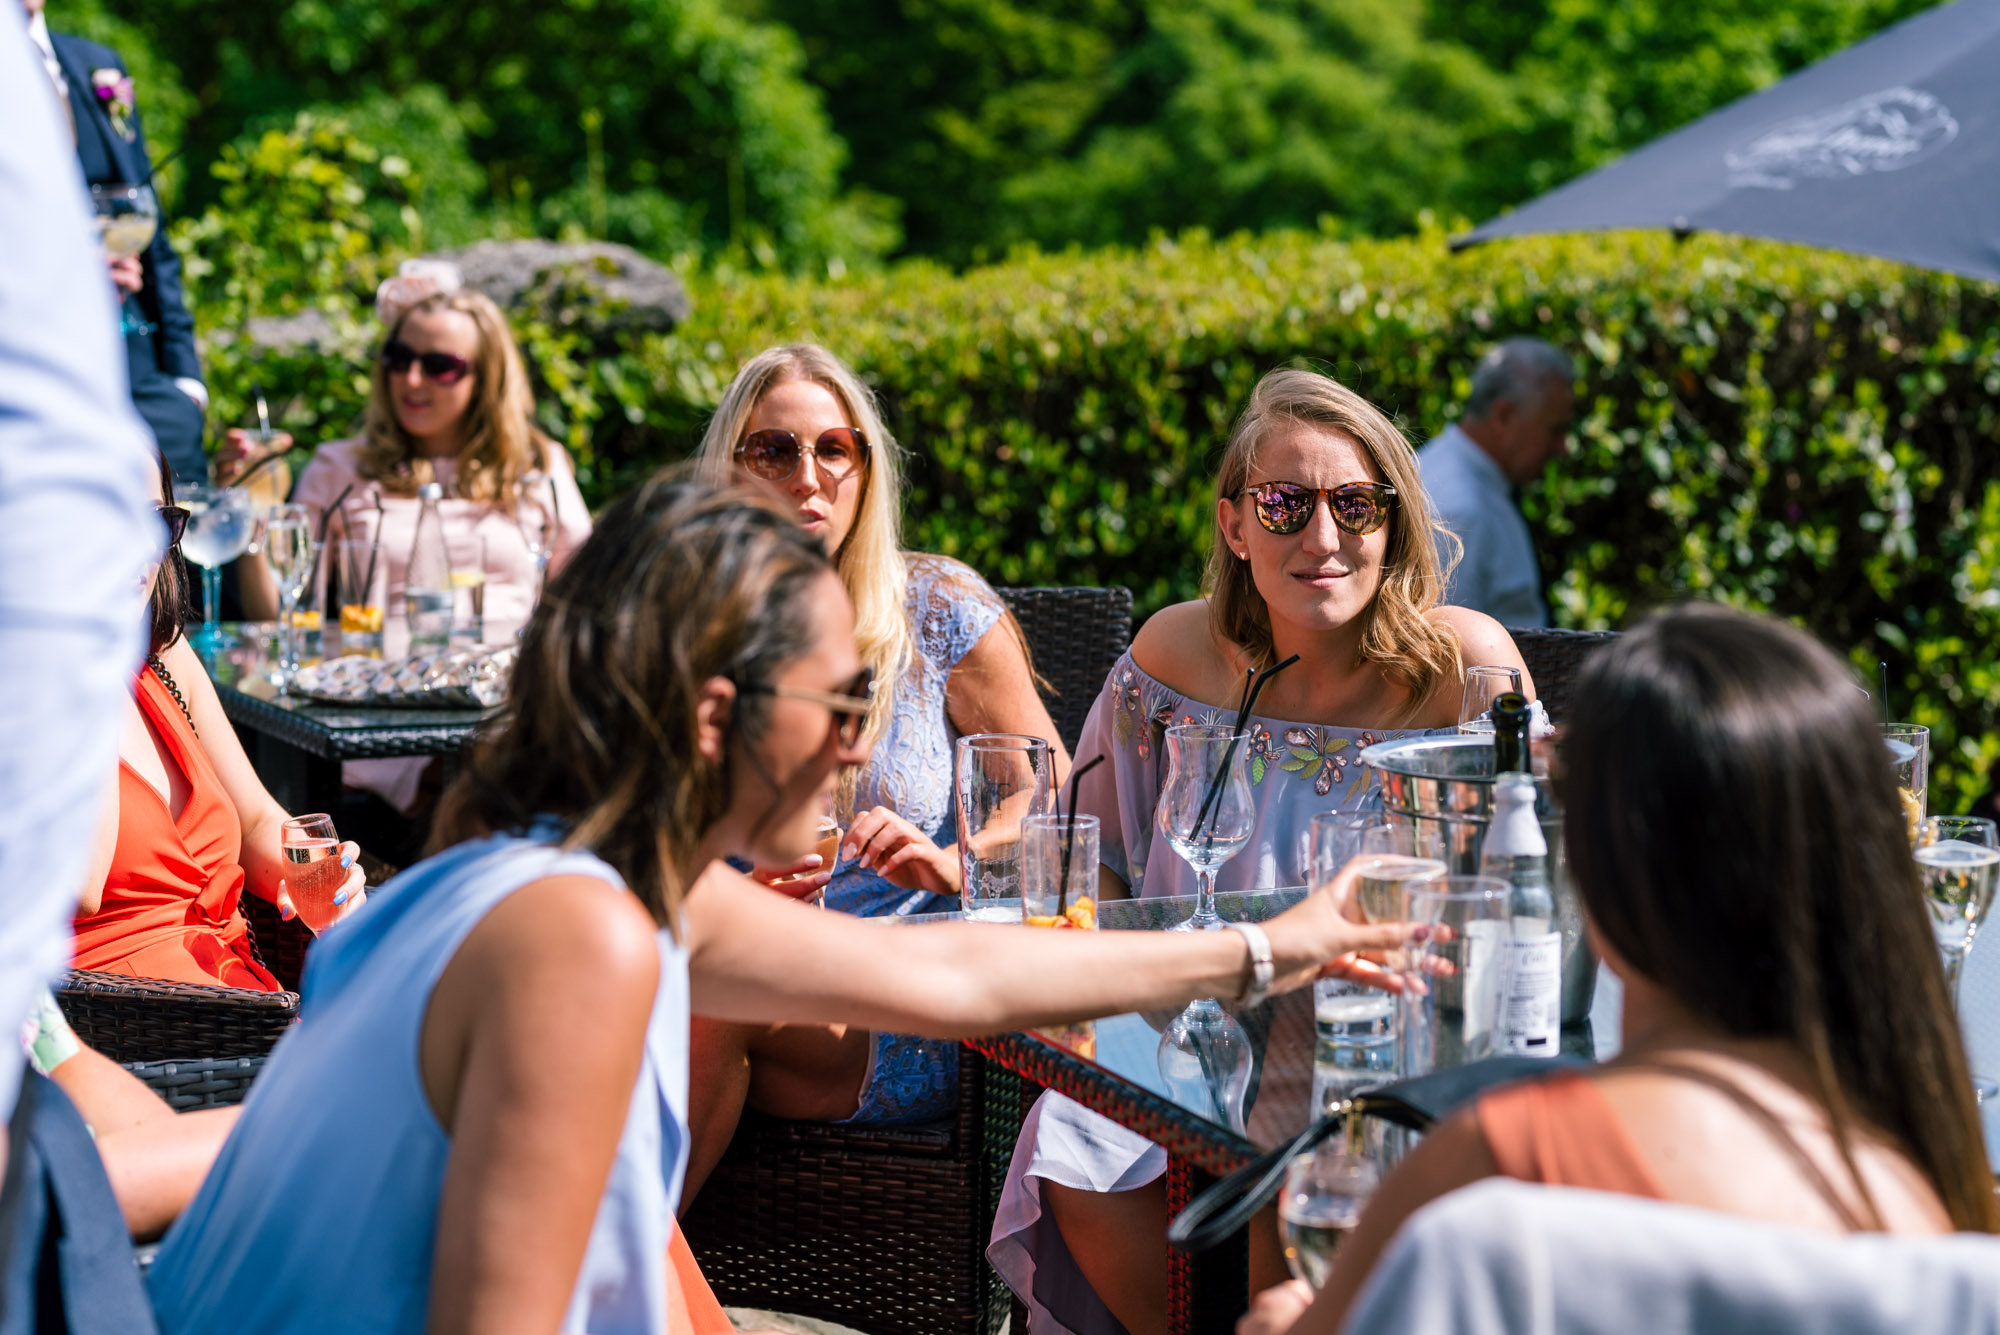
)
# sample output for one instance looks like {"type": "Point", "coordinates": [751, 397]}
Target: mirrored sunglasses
{"type": "Point", "coordinates": [1357, 507]}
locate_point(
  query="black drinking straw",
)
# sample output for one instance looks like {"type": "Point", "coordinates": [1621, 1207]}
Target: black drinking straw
{"type": "Point", "coordinates": [1883, 666]}
{"type": "Point", "coordinates": [325, 521]}
{"type": "Point", "coordinates": [1069, 827]}
{"type": "Point", "coordinates": [1253, 687]}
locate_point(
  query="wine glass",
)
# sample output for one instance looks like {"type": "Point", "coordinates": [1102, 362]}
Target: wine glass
{"type": "Point", "coordinates": [1959, 857]}
{"type": "Point", "coordinates": [536, 520]}
{"type": "Point", "coordinates": [313, 874]}
{"type": "Point", "coordinates": [221, 521]}
{"type": "Point", "coordinates": [1204, 1056]}
{"type": "Point", "coordinates": [1206, 810]}
{"type": "Point", "coordinates": [1483, 685]}
{"type": "Point", "coordinates": [1395, 857]}
{"type": "Point", "coordinates": [292, 551]}
{"type": "Point", "coordinates": [127, 218]}
{"type": "Point", "coordinates": [1325, 1190]}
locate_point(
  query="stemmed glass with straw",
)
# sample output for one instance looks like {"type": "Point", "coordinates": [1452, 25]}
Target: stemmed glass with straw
{"type": "Point", "coordinates": [548, 519]}
{"type": "Point", "coordinates": [1206, 810]}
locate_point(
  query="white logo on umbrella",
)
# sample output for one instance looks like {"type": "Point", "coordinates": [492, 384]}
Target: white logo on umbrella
{"type": "Point", "coordinates": [1883, 132]}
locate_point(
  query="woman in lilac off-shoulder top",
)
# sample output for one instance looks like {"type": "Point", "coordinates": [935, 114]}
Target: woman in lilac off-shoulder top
{"type": "Point", "coordinates": [1324, 548]}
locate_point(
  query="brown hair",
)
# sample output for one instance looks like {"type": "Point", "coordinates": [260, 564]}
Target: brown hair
{"type": "Point", "coordinates": [168, 610]}
{"type": "Point", "coordinates": [1734, 830]}
{"type": "Point", "coordinates": [1399, 637]}
{"type": "Point", "coordinates": [680, 582]}
{"type": "Point", "coordinates": [498, 441]}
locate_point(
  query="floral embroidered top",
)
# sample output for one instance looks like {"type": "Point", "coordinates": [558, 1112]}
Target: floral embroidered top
{"type": "Point", "coordinates": [1297, 771]}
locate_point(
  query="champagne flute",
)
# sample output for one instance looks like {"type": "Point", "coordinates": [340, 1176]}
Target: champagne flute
{"type": "Point", "coordinates": [1959, 857]}
{"type": "Point", "coordinates": [1206, 810]}
{"type": "Point", "coordinates": [221, 522]}
{"type": "Point", "coordinates": [536, 520]}
{"type": "Point", "coordinates": [290, 549]}
{"type": "Point", "coordinates": [1484, 685]}
{"type": "Point", "coordinates": [127, 218]}
{"type": "Point", "coordinates": [1325, 1191]}
{"type": "Point", "coordinates": [313, 874]}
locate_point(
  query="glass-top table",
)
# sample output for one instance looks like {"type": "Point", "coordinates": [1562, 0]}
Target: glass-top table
{"type": "Point", "coordinates": [1113, 1066]}
{"type": "Point", "coordinates": [298, 745]}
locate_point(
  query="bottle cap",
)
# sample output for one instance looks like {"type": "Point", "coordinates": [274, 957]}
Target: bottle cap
{"type": "Point", "coordinates": [430, 491]}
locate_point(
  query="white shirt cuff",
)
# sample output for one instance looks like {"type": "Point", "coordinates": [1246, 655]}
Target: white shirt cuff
{"type": "Point", "coordinates": [194, 389]}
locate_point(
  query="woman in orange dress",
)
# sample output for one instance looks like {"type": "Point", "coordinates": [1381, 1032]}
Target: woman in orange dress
{"type": "Point", "coordinates": [190, 826]}
{"type": "Point", "coordinates": [1790, 1053]}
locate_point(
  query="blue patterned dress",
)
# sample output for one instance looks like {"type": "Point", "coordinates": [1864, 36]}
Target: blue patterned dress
{"type": "Point", "coordinates": [950, 607]}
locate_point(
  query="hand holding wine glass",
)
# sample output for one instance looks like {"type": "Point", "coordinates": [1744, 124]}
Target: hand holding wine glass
{"type": "Point", "coordinates": [323, 880]}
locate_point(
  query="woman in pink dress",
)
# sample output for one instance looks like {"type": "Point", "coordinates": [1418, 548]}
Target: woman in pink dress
{"type": "Point", "coordinates": [449, 403]}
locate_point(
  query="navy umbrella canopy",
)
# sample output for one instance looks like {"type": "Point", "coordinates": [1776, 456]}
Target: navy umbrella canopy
{"type": "Point", "coordinates": [1890, 148]}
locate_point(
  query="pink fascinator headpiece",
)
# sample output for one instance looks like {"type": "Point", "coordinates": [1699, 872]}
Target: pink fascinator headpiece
{"type": "Point", "coordinates": [414, 281]}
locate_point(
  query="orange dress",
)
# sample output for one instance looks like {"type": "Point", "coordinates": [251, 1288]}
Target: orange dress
{"type": "Point", "coordinates": [1561, 1131]}
{"type": "Point", "coordinates": [172, 899]}
{"type": "Point", "coordinates": [691, 1305]}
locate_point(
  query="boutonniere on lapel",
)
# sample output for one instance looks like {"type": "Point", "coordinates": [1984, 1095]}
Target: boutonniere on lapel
{"type": "Point", "coordinates": [114, 93]}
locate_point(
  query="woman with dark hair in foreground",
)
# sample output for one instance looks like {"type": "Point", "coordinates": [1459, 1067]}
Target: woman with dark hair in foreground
{"type": "Point", "coordinates": [480, 1122]}
{"type": "Point", "coordinates": [1790, 1051]}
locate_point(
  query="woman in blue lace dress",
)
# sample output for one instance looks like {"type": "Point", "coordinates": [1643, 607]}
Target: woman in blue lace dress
{"type": "Point", "coordinates": [1324, 548]}
{"type": "Point", "coordinates": [948, 660]}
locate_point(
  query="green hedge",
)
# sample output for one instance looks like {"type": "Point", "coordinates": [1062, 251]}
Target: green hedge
{"type": "Point", "coordinates": [1767, 426]}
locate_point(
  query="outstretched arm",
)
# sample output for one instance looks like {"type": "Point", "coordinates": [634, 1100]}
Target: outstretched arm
{"type": "Point", "coordinates": [756, 956]}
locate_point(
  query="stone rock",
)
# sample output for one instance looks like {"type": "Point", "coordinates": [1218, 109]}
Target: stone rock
{"type": "Point", "coordinates": [605, 288]}
{"type": "Point", "coordinates": [307, 331]}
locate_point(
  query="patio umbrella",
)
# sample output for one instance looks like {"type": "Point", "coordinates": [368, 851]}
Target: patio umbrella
{"type": "Point", "coordinates": [1888, 148]}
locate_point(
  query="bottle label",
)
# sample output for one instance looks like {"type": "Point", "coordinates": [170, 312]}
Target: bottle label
{"type": "Point", "coordinates": [1531, 1021]}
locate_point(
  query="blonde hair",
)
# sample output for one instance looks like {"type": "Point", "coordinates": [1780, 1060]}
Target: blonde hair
{"type": "Point", "coordinates": [499, 442]}
{"type": "Point", "coordinates": [870, 560]}
{"type": "Point", "coordinates": [1398, 636]}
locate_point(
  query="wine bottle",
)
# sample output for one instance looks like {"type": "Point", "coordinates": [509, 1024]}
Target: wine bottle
{"type": "Point", "coordinates": [427, 591]}
{"type": "Point", "coordinates": [1530, 1019]}
{"type": "Point", "coordinates": [1510, 733]}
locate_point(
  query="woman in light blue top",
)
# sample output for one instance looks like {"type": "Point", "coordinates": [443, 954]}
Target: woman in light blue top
{"type": "Point", "coordinates": [1324, 548]}
{"type": "Point", "coordinates": [478, 1123]}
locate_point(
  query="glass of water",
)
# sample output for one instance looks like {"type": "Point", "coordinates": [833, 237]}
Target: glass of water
{"type": "Point", "coordinates": [1354, 1042]}
{"type": "Point", "coordinates": [1451, 1011]}
{"type": "Point", "coordinates": [1910, 752]}
{"type": "Point", "coordinates": [221, 522]}
{"type": "Point", "coordinates": [1483, 685]}
{"type": "Point", "coordinates": [1959, 857]}
{"type": "Point", "coordinates": [999, 780]}
{"type": "Point", "coordinates": [1325, 1191]}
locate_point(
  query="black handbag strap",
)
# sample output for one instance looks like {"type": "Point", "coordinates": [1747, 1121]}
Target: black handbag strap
{"type": "Point", "coordinates": [1417, 1104]}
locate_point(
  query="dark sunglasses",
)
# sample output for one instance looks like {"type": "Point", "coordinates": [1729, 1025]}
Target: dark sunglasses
{"type": "Point", "coordinates": [176, 520]}
{"type": "Point", "coordinates": [1286, 507]}
{"type": "Point", "coordinates": [775, 455]}
{"type": "Point", "coordinates": [442, 367]}
{"type": "Point", "coordinates": [849, 707]}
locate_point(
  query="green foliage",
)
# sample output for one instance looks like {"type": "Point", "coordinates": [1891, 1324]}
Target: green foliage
{"type": "Point", "coordinates": [1766, 426]}
{"type": "Point", "coordinates": [670, 124]}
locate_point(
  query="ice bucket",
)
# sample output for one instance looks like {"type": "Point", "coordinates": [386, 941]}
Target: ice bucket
{"type": "Point", "coordinates": [1445, 784]}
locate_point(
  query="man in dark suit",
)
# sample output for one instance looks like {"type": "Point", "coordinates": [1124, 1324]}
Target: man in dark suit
{"type": "Point", "coordinates": [167, 387]}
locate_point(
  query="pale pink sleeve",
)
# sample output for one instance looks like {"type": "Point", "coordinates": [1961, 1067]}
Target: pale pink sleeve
{"type": "Point", "coordinates": [572, 514]}
{"type": "Point", "coordinates": [329, 473]}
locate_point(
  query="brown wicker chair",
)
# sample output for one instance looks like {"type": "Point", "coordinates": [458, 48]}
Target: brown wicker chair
{"type": "Point", "coordinates": [1553, 658]}
{"type": "Point", "coordinates": [884, 1228]}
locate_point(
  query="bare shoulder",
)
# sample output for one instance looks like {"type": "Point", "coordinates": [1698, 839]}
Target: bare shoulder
{"type": "Point", "coordinates": [1482, 640]}
{"type": "Point", "coordinates": [580, 927]}
{"type": "Point", "coordinates": [1177, 648]}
